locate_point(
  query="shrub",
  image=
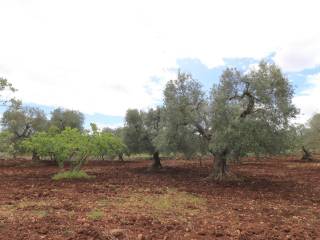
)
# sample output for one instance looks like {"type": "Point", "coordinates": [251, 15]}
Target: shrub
{"type": "Point", "coordinates": [72, 175]}
{"type": "Point", "coordinates": [106, 144]}
{"type": "Point", "coordinates": [74, 146]}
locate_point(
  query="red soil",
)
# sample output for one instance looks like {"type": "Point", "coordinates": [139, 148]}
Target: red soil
{"type": "Point", "coordinates": [276, 199]}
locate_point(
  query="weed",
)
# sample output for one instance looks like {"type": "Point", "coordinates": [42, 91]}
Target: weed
{"type": "Point", "coordinates": [40, 213]}
{"type": "Point", "coordinates": [72, 175]}
{"type": "Point", "coordinates": [95, 215]}
{"type": "Point", "coordinates": [7, 210]}
{"type": "Point", "coordinates": [171, 202]}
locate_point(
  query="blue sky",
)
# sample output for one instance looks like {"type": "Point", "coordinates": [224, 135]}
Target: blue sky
{"type": "Point", "coordinates": [103, 57]}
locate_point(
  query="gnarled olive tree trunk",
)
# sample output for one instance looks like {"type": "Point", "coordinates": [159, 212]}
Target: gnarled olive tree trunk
{"type": "Point", "coordinates": [220, 170]}
{"type": "Point", "coordinates": [306, 155]}
{"type": "Point", "coordinates": [120, 156]}
{"type": "Point", "coordinates": [35, 156]}
{"type": "Point", "coordinates": [156, 161]}
{"type": "Point", "coordinates": [236, 155]}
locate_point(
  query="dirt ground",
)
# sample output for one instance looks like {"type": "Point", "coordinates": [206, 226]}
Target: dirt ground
{"type": "Point", "coordinates": [275, 199]}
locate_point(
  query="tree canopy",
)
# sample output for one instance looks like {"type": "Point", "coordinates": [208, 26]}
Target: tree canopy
{"type": "Point", "coordinates": [244, 112]}
{"type": "Point", "coordinates": [22, 122]}
{"type": "Point", "coordinates": [63, 118]}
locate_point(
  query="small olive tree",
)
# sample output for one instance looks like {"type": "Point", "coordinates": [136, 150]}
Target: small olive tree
{"type": "Point", "coordinates": [141, 132]}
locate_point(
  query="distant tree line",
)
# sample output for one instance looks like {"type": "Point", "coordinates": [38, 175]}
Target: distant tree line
{"type": "Point", "coordinates": [243, 114]}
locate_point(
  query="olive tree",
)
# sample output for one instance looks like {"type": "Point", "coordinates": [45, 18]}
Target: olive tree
{"type": "Point", "coordinates": [63, 118]}
{"type": "Point", "coordinates": [250, 112]}
{"type": "Point", "coordinates": [23, 122]}
{"type": "Point", "coordinates": [153, 124]}
{"type": "Point", "coordinates": [186, 116]}
{"type": "Point", "coordinates": [134, 134]}
{"type": "Point", "coordinates": [310, 137]}
{"type": "Point", "coordinates": [244, 113]}
{"type": "Point", "coordinates": [141, 131]}
{"type": "Point", "coordinates": [6, 145]}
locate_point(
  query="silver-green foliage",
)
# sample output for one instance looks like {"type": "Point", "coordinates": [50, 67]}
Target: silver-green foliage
{"type": "Point", "coordinates": [5, 86]}
{"type": "Point", "coordinates": [22, 122]}
{"type": "Point", "coordinates": [251, 112]}
{"type": "Point", "coordinates": [139, 131]}
{"type": "Point", "coordinates": [244, 113]}
{"type": "Point", "coordinates": [185, 112]}
{"type": "Point", "coordinates": [310, 134]}
{"type": "Point", "coordinates": [63, 118]}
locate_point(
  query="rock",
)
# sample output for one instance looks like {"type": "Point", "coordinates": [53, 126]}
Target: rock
{"type": "Point", "coordinates": [86, 225]}
{"type": "Point", "coordinates": [186, 235]}
{"type": "Point", "coordinates": [117, 232]}
{"type": "Point", "coordinates": [141, 237]}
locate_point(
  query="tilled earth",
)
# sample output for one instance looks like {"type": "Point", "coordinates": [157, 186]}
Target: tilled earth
{"type": "Point", "coordinates": [275, 198]}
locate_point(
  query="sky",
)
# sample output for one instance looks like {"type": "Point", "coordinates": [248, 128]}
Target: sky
{"type": "Point", "coordinates": [103, 57]}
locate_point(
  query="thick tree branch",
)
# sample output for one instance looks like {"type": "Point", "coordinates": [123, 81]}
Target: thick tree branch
{"type": "Point", "coordinates": [251, 101]}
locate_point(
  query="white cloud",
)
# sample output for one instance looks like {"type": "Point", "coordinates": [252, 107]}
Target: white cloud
{"type": "Point", "coordinates": [300, 55]}
{"type": "Point", "coordinates": [101, 126]}
{"type": "Point", "coordinates": [308, 100]}
{"type": "Point", "coordinates": [99, 56]}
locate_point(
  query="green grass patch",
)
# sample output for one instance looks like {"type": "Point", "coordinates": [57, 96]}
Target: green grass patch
{"type": "Point", "coordinates": [40, 213]}
{"type": "Point", "coordinates": [171, 202]}
{"type": "Point", "coordinates": [95, 215]}
{"type": "Point", "coordinates": [7, 211]}
{"type": "Point", "coordinates": [72, 175]}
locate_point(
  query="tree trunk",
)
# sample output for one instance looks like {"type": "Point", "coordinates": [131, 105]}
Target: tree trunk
{"type": "Point", "coordinates": [306, 155]}
{"type": "Point", "coordinates": [156, 161]}
{"type": "Point", "coordinates": [120, 156]}
{"type": "Point", "coordinates": [220, 170]}
{"type": "Point", "coordinates": [200, 161]}
{"type": "Point", "coordinates": [81, 161]}
{"type": "Point", "coordinates": [35, 156]}
{"type": "Point", "coordinates": [236, 156]}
